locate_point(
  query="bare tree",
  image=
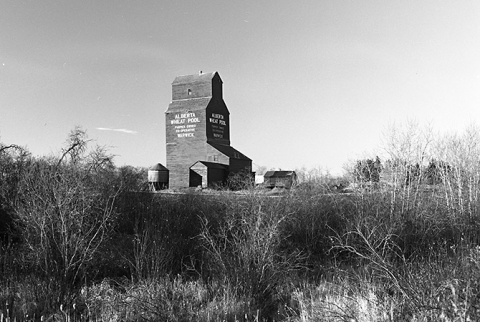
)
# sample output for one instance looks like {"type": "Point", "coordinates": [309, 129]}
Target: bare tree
{"type": "Point", "coordinates": [406, 146]}
{"type": "Point", "coordinates": [66, 210]}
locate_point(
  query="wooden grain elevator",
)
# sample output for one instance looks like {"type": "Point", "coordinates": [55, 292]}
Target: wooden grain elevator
{"type": "Point", "coordinates": [198, 134]}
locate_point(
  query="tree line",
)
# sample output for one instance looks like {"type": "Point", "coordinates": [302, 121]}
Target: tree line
{"type": "Point", "coordinates": [370, 170]}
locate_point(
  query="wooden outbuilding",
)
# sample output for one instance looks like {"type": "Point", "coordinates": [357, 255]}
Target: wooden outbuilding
{"type": "Point", "coordinates": [280, 179]}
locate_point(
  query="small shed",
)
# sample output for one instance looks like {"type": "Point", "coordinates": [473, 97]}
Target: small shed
{"type": "Point", "coordinates": [158, 177]}
{"type": "Point", "coordinates": [207, 174]}
{"type": "Point", "coordinates": [280, 179]}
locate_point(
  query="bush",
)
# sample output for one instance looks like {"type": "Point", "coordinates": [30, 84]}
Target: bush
{"type": "Point", "coordinates": [64, 211]}
{"type": "Point", "coordinates": [244, 250]}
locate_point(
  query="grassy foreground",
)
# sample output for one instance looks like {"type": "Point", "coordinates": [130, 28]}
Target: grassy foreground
{"type": "Point", "coordinates": [300, 257]}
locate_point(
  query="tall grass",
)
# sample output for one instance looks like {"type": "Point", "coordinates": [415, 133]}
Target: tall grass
{"type": "Point", "coordinates": [302, 257]}
{"type": "Point", "coordinates": [244, 250]}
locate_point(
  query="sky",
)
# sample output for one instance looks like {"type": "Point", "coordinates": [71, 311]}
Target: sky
{"type": "Point", "coordinates": [311, 84]}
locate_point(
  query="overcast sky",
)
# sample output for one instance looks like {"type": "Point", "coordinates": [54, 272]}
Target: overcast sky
{"type": "Point", "coordinates": [308, 83]}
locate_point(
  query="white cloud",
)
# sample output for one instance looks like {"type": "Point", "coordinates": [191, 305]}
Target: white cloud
{"type": "Point", "coordinates": [117, 130]}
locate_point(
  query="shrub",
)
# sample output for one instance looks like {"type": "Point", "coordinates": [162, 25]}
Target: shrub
{"type": "Point", "coordinates": [244, 250]}
{"type": "Point", "coordinates": [65, 212]}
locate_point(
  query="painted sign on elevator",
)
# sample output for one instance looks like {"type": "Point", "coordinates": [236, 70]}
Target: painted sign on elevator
{"type": "Point", "coordinates": [218, 124]}
{"type": "Point", "coordinates": [185, 124]}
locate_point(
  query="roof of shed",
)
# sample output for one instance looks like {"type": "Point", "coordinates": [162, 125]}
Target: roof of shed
{"type": "Point", "coordinates": [229, 151]}
{"type": "Point", "coordinates": [211, 165]}
{"type": "Point", "coordinates": [270, 174]}
{"type": "Point", "coordinates": [188, 79]}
